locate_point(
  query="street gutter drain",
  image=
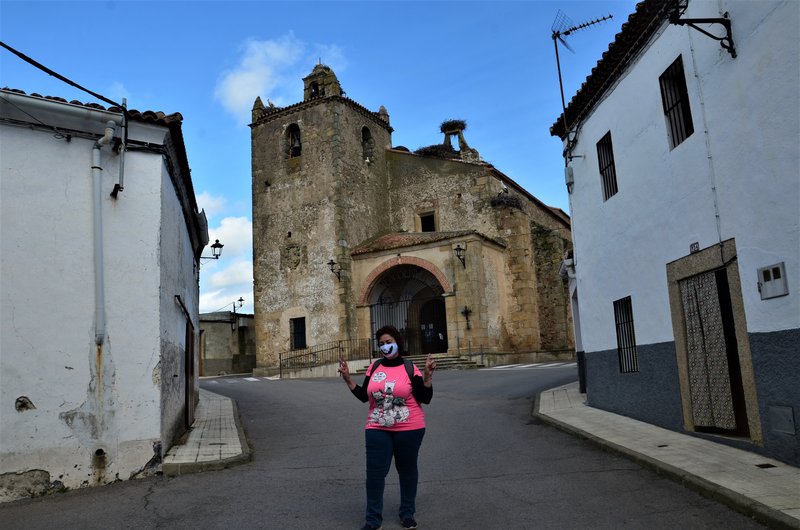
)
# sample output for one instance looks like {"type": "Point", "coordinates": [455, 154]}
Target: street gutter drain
{"type": "Point", "coordinates": [765, 466]}
{"type": "Point", "coordinates": [217, 443]}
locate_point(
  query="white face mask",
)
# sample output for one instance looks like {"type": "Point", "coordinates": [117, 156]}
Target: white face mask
{"type": "Point", "coordinates": [389, 350]}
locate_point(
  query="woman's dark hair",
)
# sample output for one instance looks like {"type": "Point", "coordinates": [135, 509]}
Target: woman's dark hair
{"type": "Point", "coordinates": [391, 330]}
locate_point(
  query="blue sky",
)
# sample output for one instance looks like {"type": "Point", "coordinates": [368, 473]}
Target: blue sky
{"type": "Point", "coordinates": [490, 63]}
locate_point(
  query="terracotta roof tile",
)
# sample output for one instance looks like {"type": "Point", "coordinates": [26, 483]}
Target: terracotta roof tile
{"type": "Point", "coordinates": [633, 36]}
{"type": "Point", "coordinates": [147, 116]}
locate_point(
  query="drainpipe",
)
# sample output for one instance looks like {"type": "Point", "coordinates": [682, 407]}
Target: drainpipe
{"type": "Point", "coordinates": [99, 277]}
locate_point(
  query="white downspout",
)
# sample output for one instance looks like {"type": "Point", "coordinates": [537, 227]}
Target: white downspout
{"type": "Point", "coordinates": [99, 277]}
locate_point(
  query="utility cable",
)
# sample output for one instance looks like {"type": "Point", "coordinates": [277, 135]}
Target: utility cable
{"type": "Point", "coordinates": [47, 70]}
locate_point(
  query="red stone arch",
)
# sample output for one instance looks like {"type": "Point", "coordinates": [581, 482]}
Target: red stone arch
{"type": "Point", "coordinates": [369, 283]}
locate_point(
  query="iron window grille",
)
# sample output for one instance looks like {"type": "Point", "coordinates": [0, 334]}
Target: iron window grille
{"type": "Point", "coordinates": [626, 338]}
{"type": "Point", "coordinates": [675, 99]}
{"type": "Point", "coordinates": [605, 160]}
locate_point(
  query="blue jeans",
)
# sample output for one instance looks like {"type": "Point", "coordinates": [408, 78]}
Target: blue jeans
{"type": "Point", "coordinates": [381, 446]}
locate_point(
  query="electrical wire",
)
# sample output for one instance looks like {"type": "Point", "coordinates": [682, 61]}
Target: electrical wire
{"type": "Point", "coordinates": [47, 70]}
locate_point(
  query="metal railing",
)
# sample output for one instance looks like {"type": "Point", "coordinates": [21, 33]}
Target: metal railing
{"type": "Point", "coordinates": [327, 353]}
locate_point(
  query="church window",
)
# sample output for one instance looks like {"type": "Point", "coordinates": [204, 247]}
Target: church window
{"type": "Point", "coordinates": [316, 90]}
{"type": "Point", "coordinates": [427, 222]}
{"type": "Point", "coordinates": [367, 144]}
{"type": "Point", "coordinates": [297, 332]}
{"type": "Point", "coordinates": [294, 144]}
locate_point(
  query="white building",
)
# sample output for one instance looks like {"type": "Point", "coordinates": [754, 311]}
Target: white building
{"type": "Point", "coordinates": [684, 175]}
{"type": "Point", "coordinates": [99, 293]}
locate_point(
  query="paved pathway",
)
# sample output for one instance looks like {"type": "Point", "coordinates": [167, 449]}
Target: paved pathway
{"type": "Point", "coordinates": [763, 488]}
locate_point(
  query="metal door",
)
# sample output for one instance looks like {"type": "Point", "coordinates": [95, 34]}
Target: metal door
{"type": "Point", "coordinates": [714, 377]}
{"type": "Point", "coordinates": [405, 315]}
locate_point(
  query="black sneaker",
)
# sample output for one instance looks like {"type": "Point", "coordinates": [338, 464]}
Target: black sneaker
{"type": "Point", "coordinates": [408, 522]}
{"type": "Point", "coordinates": [368, 526]}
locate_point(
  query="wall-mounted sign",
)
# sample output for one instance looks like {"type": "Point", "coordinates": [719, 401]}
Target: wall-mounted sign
{"type": "Point", "coordinates": [694, 247]}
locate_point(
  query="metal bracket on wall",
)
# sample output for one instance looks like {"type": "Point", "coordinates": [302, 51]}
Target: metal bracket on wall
{"type": "Point", "coordinates": [726, 42]}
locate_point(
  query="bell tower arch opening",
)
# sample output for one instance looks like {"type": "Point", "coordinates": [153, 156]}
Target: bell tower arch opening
{"type": "Point", "coordinates": [410, 298]}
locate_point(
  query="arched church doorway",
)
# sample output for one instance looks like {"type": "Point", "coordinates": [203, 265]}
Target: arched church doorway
{"type": "Point", "coordinates": [410, 298]}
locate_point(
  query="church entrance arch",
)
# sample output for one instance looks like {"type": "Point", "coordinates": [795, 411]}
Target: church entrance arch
{"type": "Point", "coordinates": [409, 298]}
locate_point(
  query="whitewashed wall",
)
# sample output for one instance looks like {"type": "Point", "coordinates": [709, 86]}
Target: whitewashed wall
{"type": "Point", "coordinates": [665, 200]}
{"type": "Point", "coordinates": [47, 346]}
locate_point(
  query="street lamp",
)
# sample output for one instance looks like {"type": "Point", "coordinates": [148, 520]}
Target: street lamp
{"type": "Point", "coordinates": [335, 268]}
{"type": "Point", "coordinates": [460, 255]}
{"type": "Point", "coordinates": [233, 322]}
{"type": "Point", "coordinates": [216, 251]}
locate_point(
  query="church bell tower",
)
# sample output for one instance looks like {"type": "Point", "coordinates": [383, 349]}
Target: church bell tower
{"type": "Point", "coordinates": [319, 181]}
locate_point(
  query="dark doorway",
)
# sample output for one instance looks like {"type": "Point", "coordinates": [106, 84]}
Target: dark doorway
{"type": "Point", "coordinates": [433, 324]}
{"type": "Point", "coordinates": [189, 397]}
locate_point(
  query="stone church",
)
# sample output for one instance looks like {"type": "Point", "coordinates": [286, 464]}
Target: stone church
{"type": "Point", "coordinates": [351, 233]}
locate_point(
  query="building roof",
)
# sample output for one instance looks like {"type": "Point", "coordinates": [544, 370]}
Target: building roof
{"type": "Point", "coordinates": [397, 240]}
{"type": "Point", "coordinates": [269, 113]}
{"type": "Point", "coordinates": [147, 116]}
{"type": "Point", "coordinates": [181, 175]}
{"type": "Point", "coordinates": [634, 35]}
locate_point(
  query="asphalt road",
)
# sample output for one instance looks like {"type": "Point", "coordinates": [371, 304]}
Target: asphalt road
{"type": "Point", "coordinates": [485, 463]}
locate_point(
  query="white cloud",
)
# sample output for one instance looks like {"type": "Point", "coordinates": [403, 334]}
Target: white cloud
{"type": "Point", "coordinates": [226, 280]}
{"type": "Point", "coordinates": [212, 204]}
{"type": "Point", "coordinates": [118, 92]}
{"type": "Point", "coordinates": [238, 273]}
{"type": "Point", "coordinates": [223, 300]}
{"type": "Point", "coordinates": [236, 233]}
{"type": "Point", "coordinates": [261, 69]}
{"type": "Point", "coordinates": [272, 69]}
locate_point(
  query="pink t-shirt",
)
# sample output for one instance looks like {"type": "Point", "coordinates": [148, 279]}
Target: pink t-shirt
{"type": "Point", "coordinates": [391, 403]}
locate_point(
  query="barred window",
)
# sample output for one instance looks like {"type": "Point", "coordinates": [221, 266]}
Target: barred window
{"type": "Point", "coordinates": [605, 160]}
{"type": "Point", "coordinates": [675, 99]}
{"type": "Point", "coordinates": [626, 339]}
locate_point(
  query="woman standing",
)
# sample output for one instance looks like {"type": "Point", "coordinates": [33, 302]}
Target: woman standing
{"type": "Point", "coordinates": [395, 389]}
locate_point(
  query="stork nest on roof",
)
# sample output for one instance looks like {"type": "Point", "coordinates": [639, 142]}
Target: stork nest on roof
{"type": "Point", "coordinates": [438, 151]}
{"type": "Point", "coordinates": [453, 125]}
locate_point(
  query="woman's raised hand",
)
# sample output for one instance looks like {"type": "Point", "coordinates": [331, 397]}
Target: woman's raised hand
{"type": "Point", "coordinates": [430, 366]}
{"type": "Point", "coordinates": [344, 370]}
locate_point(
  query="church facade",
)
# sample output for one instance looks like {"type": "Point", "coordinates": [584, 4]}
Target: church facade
{"type": "Point", "coordinates": [351, 233]}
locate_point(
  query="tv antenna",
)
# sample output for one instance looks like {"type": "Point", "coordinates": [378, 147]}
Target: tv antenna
{"type": "Point", "coordinates": [563, 27]}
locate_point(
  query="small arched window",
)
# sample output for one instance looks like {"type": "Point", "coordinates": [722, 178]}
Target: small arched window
{"type": "Point", "coordinates": [294, 145]}
{"type": "Point", "coordinates": [367, 144]}
{"type": "Point", "coordinates": [316, 91]}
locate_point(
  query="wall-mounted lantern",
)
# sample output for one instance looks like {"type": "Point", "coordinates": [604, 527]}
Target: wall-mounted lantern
{"type": "Point", "coordinates": [335, 268]}
{"type": "Point", "coordinates": [216, 251]}
{"type": "Point", "coordinates": [460, 255]}
{"type": "Point", "coordinates": [233, 322]}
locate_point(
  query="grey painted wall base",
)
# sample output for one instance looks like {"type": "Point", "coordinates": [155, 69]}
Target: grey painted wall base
{"type": "Point", "coordinates": [653, 393]}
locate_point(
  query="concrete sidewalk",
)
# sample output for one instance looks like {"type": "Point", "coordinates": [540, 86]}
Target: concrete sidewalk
{"type": "Point", "coordinates": [216, 440]}
{"type": "Point", "coordinates": [762, 488]}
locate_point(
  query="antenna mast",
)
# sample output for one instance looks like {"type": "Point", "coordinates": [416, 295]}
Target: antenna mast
{"type": "Point", "coordinates": [562, 27]}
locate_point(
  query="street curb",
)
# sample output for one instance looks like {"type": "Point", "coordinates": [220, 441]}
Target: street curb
{"type": "Point", "coordinates": [173, 470]}
{"type": "Point", "coordinates": [755, 510]}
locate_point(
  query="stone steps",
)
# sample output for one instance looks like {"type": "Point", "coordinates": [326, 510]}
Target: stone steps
{"type": "Point", "coordinates": [443, 362]}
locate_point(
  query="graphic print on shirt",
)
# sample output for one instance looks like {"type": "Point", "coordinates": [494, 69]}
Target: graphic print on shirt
{"type": "Point", "coordinates": [388, 409]}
